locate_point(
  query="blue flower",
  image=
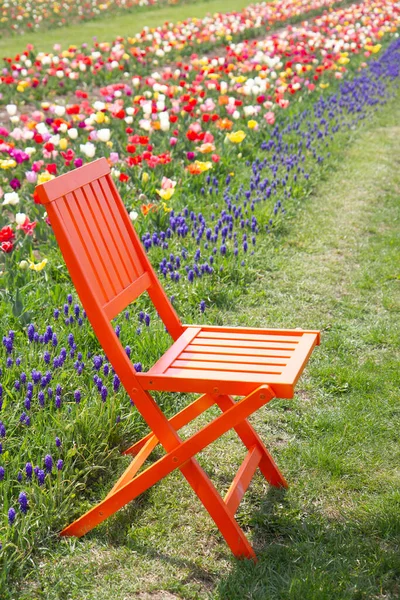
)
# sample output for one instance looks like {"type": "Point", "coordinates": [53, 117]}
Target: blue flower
{"type": "Point", "coordinates": [28, 470]}
{"type": "Point", "coordinates": [11, 515]}
{"type": "Point", "coordinates": [48, 463]}
{"type": "Point", "coordinates": [31, 332]}
{"type": "Point", "coordinates": [23, 502]}
{"type": "Point", "coordinates": [116, 383]}
{"type": "Point", "coordinates": [41, 476]}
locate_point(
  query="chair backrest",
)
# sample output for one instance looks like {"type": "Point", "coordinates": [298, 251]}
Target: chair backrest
{"type": "Point", "coordinates": [102, 251]}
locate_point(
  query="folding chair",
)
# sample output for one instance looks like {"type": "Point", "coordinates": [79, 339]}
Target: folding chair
{"type": "Point", "coordinates": [110, 269]}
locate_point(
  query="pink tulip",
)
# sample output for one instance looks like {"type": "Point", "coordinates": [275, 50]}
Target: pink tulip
{"type": "Point", "coordinates": [269, 117]}
{"type": "Point", "coordinates": [31, 176]}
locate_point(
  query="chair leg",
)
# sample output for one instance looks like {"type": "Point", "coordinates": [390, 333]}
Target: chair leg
{"type": "Point", "coordinates": [217, 509]}
{"type": "Point", "coordinates": [249, 437]}
{"type": "Point", "coordinates": [176, 458]}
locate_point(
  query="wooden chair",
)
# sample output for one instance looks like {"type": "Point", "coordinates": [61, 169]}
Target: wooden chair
{"type": "Point", "coordinates": [110, 269]}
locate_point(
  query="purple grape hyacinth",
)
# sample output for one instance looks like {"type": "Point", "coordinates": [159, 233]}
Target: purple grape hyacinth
{"type": "Point", "coordinates": [23, 502]}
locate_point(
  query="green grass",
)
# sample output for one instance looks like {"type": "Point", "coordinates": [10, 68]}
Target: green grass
{"type": "Point", "coordinates": [108, 28]}
{"type": "Point", "coordinates": [335, 533]}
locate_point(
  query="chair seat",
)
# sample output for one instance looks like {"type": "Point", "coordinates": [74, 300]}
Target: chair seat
{"type": "Point", "coordinates": [232, 360]}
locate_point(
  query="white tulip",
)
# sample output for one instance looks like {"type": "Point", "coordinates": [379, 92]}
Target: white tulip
{"type": "Point", "coordinates": [133, 215]}
{"type": "Point", "coordinates": [103, 135]}
{"type": "Point", "coordinates": [20, 218]}
{"type": "Point", "coordinates": [88, 149]}
{"type": "Point", "coordinates": [59, 110]}
{"type": "Point", "coordinates": [11, 198]}
{"type": "Point", "coordinates": [55, 139]}
{"type": "Point", "coordinates": [73, 133]}
{"type": "Point", "coordinates": [11, 109]}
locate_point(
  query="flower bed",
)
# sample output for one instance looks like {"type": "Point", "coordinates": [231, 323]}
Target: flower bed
{"type": "Point", "coordinates": [19, 17]}
{"type": "Point", "coordinates": [36, 75]}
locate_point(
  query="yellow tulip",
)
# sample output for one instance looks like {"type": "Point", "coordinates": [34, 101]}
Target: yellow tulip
{"type": "Point", "coordinates": [43, 177]}
{"type": "Point", "coordinates": [166, 194]}
{"type": "Point", "coordinates": [39, 266]}
{"type": "Point", "coordinates": [252, 124]}
{"type": "Point", "coordinates": [236, 137]}
{"type": "Point", "coordinates": [100, 117]}
{"type": "Point", "coordinates": [166, 208]}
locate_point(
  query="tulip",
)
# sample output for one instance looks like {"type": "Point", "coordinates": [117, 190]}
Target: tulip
{"type": "Point", "coordinates": [236, 137]}
{"type": "Point", "coordinates": [103, 135]}
{"type": "Point", "coordinates": [11, 109]}
{"type": "Point", "coordinates": [10, 198]}
{"type": "Point", "coordinates": [269, 117]}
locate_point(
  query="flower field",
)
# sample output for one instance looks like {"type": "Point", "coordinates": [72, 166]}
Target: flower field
{"type": "Point", "coordinates": [17, 17]}
{"type": "Point", "coordinates": [214, 135]}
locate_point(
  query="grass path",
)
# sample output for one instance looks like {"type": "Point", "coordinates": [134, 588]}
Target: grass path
{"type": "Point", "coordinates": [107, 28]}
{"type": "Point", "coordinates": [335, 533]}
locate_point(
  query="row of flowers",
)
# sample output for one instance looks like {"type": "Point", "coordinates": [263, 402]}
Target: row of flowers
{"type": "Point", "coordinates": [35, 73]}
{"type": "Point", "coordinates": [165, 136]}
{"type": "Point", "coordinates": [19, 17]}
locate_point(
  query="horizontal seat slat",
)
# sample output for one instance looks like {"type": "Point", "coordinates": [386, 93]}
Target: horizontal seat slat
{"type": "Point", "coordinates": [214, 376]}
{"type": "Point", "coordinates": [273, 331]}
{"type": "Point", "coordinates": [240, 351]}
{"type": "Point", "coordinates": [257, 360]}
{"type": "Point", "coordinates": [243, 344]}
{"type": "Point", "coordinates": [232, 335]}
{"type": "Point", "coordinates": [173, 352]}
{"type": "Point", "coordinates": [220, 366]}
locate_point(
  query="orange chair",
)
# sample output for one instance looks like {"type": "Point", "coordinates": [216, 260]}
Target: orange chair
{"type": "Point", "coordinates": [110, 270]}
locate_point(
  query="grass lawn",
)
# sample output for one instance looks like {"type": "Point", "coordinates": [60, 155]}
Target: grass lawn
{"type": "Point", "coordinates": [124, 24]}
{"type": "Point", "coordinates": [335, 533]}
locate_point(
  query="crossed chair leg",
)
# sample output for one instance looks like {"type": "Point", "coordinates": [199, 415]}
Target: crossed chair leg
{"type": "Point", "coordinates": [234, 415]}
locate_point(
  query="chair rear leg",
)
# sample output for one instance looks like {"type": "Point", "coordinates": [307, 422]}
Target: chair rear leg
{"type": "Point", "coordinates": [217, 509]}
{"type": "Point", "coordinates": [250, 437]}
